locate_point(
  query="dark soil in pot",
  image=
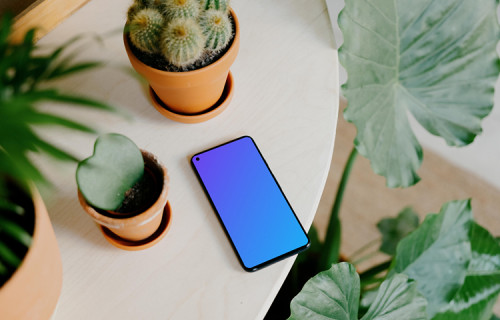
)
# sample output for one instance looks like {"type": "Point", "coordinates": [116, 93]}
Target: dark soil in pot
{"type": "Point", "coordinates": [142, 195]}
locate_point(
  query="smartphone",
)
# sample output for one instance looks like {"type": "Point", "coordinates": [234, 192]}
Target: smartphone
{"type": "Point", "coordinates": [255, 214]}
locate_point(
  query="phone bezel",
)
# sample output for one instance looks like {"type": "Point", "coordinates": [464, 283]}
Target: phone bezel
{"type": "Point", "coordinates": [270, 261]}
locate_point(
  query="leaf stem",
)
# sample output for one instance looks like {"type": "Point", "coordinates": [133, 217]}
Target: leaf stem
{"type": "Point", "coordinates": [331, 245]}
{"type": "Point", "coordinates": [370, 281]}
{"type": "Point", "coordinates": [367, 246]}
{"type": "Point", "coordinates": [373, 271]}
{"type": "Point", "coordinates": [365, 257]}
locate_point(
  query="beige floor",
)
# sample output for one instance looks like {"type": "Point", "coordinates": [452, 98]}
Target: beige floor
{"type": "Point", "coordinates": [367, 200]}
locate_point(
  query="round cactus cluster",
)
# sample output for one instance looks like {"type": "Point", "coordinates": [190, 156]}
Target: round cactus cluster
{"type": "Point", "coordinates": [180, 30]}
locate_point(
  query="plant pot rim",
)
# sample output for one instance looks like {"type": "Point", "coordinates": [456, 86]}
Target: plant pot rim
{"type": "Point", "coordinates": [140, 218]}
{"type": "Point", "coordinates": [227, 95]}
{"type": "Point", "coordinates": [234, 47]}
{"type": "Point", "coordinates": [131, 245]}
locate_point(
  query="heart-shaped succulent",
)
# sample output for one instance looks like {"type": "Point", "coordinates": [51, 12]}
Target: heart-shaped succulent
{"type": "Point", "coordinates": [114, 168]}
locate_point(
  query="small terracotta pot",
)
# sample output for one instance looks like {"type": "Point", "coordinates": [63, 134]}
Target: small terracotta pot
{"type": "Point", "coordinates": [33, 290]}
{"type": "Point", "coordinates": [190, 92]}
{"type": "Point", "coordinates": [141, 225]}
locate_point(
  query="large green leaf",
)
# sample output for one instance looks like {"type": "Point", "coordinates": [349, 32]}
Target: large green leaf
{"type": "Point", "coordinates": [334, 294]}
{"type": "Point", "coordinates": [434, 58]}
{"type": "Point", "coordinates": [331, 294]}
{"type": "Point", "coordinates": [475, 300]}
{"type": "Point", "coordinates": [397, 298]}
{"type": "Point", "coordinates": [437, 254]}
{"type": "Point", "coordinates": [395, 229]}
{"type": "Point", "coordinates": [476, 297]}
{"type": "Point", "coordinates": [485, 251]}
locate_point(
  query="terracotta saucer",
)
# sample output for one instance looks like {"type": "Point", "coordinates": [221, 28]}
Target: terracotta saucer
{"type": "Point", "coordinates": [143, 244]}
{"type": "Point", "coordinates": [215, 110]}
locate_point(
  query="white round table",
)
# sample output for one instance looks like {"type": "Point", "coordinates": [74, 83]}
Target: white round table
{"type": "Point", "coordinates": [286, 97]}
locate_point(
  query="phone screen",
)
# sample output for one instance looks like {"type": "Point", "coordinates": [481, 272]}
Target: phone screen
{"type": "Point", "coordinates": [251, 206]}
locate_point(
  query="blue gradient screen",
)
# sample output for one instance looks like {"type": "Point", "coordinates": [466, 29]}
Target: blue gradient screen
{"type": "Point", "coordinates": [251, 206]}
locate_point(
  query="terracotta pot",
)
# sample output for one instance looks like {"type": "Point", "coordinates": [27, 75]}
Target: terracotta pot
{"type": "Point", "coordinates": [141, 225]}
{"type": "Point", "coordinates": [33, 290]}
{"type": "Point", "coordinates": [190, 92]}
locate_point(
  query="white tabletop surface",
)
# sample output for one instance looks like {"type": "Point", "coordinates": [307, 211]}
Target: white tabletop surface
{"type": "Point", "coordinates": [286, 98]}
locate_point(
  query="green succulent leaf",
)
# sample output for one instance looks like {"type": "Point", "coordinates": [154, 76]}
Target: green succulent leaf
{"type": "Point", "coordinates": [113, 169]}
{"type": "Point", "coordinates": [477, 296]}
{"type": "Point", "coordinates": [437, 254]}
{"type": "Point", "coordinates": [395, 229]}
{"type": "Point", "coordinates": [435, 59]}
{"type": "Point", "coordinates": [397, 298]}
{"type": "Point", "coordinates": [331, 294]}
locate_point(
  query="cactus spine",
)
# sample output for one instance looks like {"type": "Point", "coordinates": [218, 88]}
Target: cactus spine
{"type": "Point", "coordinates": [220, 5]}
{"type": "Point", "coordinates": [173, 9]}
{"type": "Point", "coordinates": [217, 29]}
{"type": "Point", "coordinates": [182, 42]}
{"type": "Point", "coordinates": [132, 11]}
{"type": "Point", "coordinates": [145, 29]}
{"type": "Point", "coordinates": [181, 30]}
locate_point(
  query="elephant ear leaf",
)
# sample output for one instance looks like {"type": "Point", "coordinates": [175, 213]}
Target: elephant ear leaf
{"type": "Point", "coordinates": [477, 296]}
{"type": "Point", "coordinates": [436, 59]}
{"type": "Point", "coordinates": [437, 254]}
{"type": "Point", "coordinates": [397, 298]}
{"type": "Point", "coordinates": [331, 294]}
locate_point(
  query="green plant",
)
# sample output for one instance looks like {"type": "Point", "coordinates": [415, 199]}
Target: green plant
{"type": "Point", "coordinates": [448, 268]}
{"type": "Point", "coordinates": [25, 82]}
{"type": "Point", "coordinates": [146, 28]}
{"type": "Point", "coordinates": [187, 32]}
{"type": "Point", "coordinates": [182, 41]}
{"type": "Point", "coordinates": [217, 29]}
{"type": "Point", "coordinates": [173, 9]}
{"type": "Point", "coordinates": [221, 5]}
{"type": "Point", "coordinates": [105, 178]}
{"type": "Point", "coordinates": [437, 60]}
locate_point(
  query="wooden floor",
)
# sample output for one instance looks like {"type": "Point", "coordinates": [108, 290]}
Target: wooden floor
{"type": "Point", "coordinates": [367, 199]}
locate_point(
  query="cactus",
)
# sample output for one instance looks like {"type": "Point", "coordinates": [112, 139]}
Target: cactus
{"type": "Point", "coordinates": [183, 31]}
{"type": "Point", "coordinates": [132, 11]}
{"type": "Point", "coordinates": [148, 3]}
{"type": "Point", "coordinates": [220, 5]}
{"type": "Point", "coordinates": [145, 29]}
{"type": "Point", "coordinates": [182, 42]}
{"type": "Point", "coordinates": [217, 29]}
{"type": "Point", "coordinates": [173, 9]}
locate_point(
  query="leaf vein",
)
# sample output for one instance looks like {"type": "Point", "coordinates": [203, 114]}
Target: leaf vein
{"type": "Point", "coordinates": [380, 36]}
